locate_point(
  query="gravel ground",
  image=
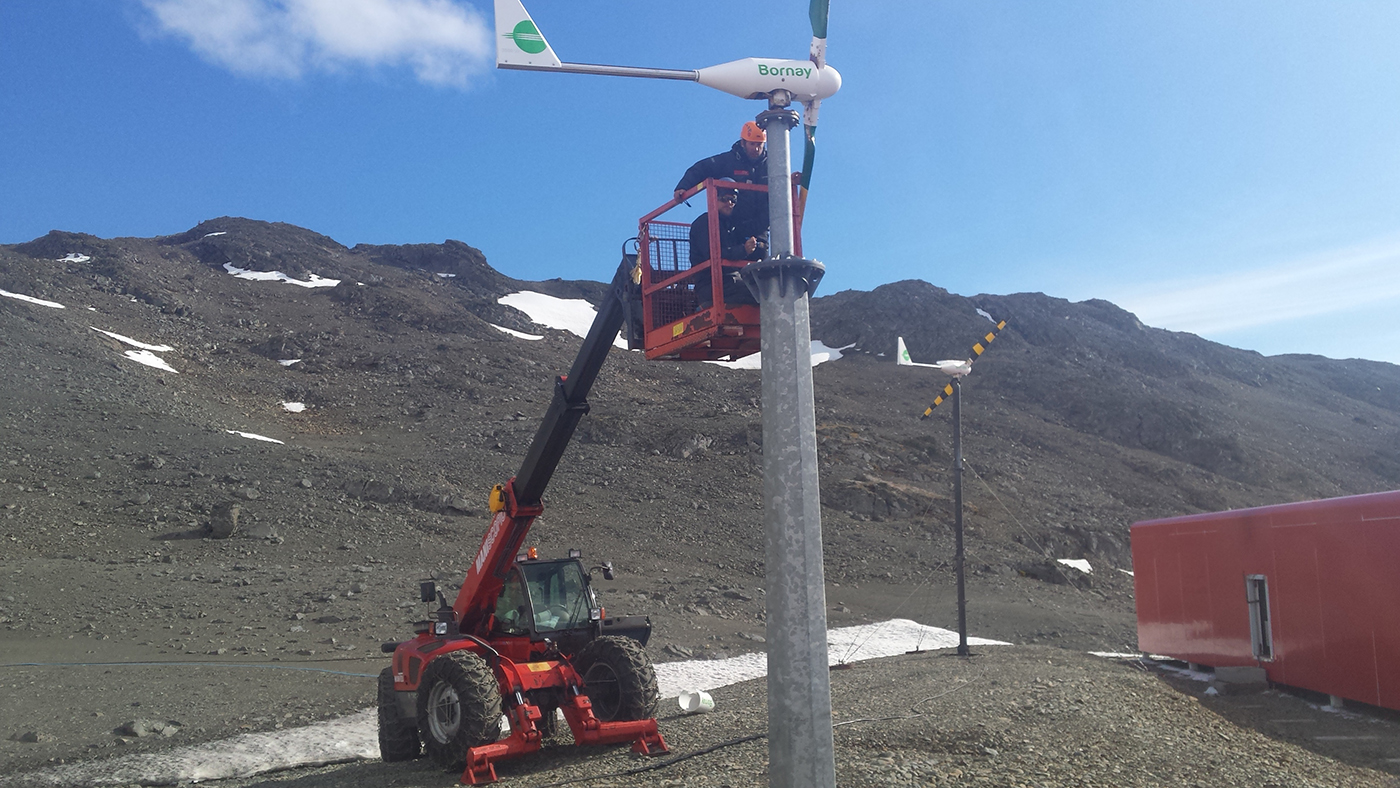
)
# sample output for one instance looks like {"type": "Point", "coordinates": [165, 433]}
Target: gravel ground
{"type": "Point", "coordinates": [1024, 716]}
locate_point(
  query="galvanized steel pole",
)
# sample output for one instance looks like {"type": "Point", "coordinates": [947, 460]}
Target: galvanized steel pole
{"type": "Point", "coordinates": [801, 753]}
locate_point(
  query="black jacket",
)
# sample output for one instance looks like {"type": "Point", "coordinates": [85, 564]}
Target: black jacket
{"type": "Point", "coordinates": [731, 240]}
{"type": "Point", "coordinates": [752, 210]}
{"type": "Point", "coordinates": [732, 164]}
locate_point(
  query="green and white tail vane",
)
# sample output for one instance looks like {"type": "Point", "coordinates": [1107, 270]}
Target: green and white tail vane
{"type": "Point", "coordinates": [522, 46]}
{"type": "Point", "coordinates": [519, 42]}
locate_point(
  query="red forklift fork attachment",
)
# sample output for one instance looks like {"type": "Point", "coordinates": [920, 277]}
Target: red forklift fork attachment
{"type": "Point", "coordinates": [588, 729]}
{"type": "Point", "coordinates": [525, 737]}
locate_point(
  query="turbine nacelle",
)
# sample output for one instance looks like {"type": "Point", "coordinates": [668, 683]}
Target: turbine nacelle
{"type": "Point", "coordinates": [760, 78]}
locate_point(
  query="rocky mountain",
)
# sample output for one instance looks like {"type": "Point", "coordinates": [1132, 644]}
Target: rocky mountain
{"type": "Point", "coordinates": [408, 403]}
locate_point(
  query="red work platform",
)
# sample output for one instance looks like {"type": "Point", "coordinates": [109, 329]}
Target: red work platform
{"type": "Point", "coordinates": [679, 319]}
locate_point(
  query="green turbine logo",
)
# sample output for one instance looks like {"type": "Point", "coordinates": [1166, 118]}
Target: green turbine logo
{"type": "Point", "coordinates": [528, 38]}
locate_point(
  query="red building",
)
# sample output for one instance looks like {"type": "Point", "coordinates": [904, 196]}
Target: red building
{"type": "Point", "coordinates": [1308, 591]}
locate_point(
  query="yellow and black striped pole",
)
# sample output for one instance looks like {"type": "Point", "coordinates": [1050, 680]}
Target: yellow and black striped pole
{"type": "Point", "coordinates": [977, 350]}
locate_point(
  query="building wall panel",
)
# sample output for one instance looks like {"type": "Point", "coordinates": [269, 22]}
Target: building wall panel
{"type": "Point", "coordinates": [1334, 591]}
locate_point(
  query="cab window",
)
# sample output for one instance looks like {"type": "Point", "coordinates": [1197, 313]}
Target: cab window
{"type": "Point", "coordinates": [512, 606]}
{"type": "Point", "coordinates": [559, 597]}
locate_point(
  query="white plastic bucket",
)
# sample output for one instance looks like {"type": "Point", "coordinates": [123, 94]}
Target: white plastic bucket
{"type": "Point", "coordinates": [696, 702]}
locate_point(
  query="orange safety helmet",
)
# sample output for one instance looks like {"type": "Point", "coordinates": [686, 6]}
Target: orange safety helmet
{"type": "Point", "coordinates": [753, 133]}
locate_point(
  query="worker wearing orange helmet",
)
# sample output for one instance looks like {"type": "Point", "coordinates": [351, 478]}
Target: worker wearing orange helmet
{"type": "Point", "coordinates": [745, 162]}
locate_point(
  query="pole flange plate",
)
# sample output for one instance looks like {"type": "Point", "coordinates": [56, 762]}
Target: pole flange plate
{"type": "Point", "coordinates": [789, 270]}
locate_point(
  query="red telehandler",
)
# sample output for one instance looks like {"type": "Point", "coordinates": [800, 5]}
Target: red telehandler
{"type": "Point", "coordinates": [527, 636]}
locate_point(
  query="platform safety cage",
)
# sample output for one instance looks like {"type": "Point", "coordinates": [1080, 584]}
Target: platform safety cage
{"type": "Point", "coordinates": [666, 280]}
{"type": "Point", "coordinates": [669, 282]}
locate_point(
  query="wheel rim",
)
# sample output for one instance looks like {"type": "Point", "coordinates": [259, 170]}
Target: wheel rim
{"type": "Point", "coordinates": [601, 687]}
{"type": "Point", "coordinates": [444, 712]}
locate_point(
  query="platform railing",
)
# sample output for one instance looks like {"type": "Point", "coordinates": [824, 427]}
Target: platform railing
{"type": "Point", "coordinates": [672, 286]}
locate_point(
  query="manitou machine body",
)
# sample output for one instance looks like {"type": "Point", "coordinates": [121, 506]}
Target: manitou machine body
{"type": "Point", "coordinates": [527, 636]}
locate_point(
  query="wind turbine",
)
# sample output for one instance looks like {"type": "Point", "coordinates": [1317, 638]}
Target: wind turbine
{"type": "Point", "coordinates": [957, 369]}
{"type": "Point", "coordinates": [521, 46]}
{"type": "Point", "coordinates": [954, 367]}
{"type": "Point", "coordinates": [801, 751]}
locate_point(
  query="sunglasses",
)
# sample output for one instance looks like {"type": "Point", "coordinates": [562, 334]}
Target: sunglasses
{"type": "Point", "coordinates": [729, 198]}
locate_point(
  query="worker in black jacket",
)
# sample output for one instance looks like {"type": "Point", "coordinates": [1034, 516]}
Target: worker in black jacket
{"type": "Point", "coordinates": [735, 243]}
{"type": "Point", "coordinates": [745, 162]}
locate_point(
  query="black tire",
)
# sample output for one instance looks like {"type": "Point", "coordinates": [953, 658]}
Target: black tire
{"type": "Point", "coordinates": [398, 737]}
{"type": "Point", "coordinates": [618, 679]}
{"type": "Point", "coordinates": [459, 707]}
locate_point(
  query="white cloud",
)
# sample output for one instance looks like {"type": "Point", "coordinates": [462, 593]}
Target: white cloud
{"type": "Point", "coordinates": [443, 42]}
{"type": "Point", "coordinates": [1338, 281]}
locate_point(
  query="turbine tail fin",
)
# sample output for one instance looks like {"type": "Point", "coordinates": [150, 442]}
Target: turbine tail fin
{"type": "Point", "coordinates": [518, 41]}
{"type": "Point", "coordinates": [902, 355]}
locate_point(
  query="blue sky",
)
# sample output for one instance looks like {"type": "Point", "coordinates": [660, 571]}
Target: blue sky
{"type": "Point", "coordinates": [1225, 168]}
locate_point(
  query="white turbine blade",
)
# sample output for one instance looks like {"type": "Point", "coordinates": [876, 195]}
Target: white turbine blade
{"type": "Point", "coordinates": [817, 54]}
{"type": "Point", "coordinates": [519, 43]}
